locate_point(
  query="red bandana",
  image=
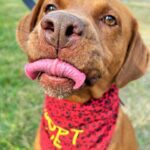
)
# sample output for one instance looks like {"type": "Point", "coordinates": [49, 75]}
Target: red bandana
{"type": "Point", "coordinates": [73, 126]}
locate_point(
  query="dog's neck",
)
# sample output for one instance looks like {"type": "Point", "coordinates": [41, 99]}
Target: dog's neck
{"type": "Point", "coordinates": [95, 92]}
{"type": "Point", "coordinates": [89, 126]}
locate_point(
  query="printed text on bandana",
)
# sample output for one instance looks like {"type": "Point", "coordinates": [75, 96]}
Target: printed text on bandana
{"type": "Point", "coordinates": [56, 132]}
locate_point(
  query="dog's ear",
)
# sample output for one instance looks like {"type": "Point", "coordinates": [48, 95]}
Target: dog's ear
{"type": "Point", "coordinates": [137, 59]}
{"type": "Point", "coordinates": [27, 24]}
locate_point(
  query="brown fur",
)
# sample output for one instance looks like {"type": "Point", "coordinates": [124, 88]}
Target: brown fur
{"type": "Point", "coordinates": [108, 54]}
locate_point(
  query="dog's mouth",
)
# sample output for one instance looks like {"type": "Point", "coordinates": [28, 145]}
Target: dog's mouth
{"type": "Point", "coordinates": [55, 72]}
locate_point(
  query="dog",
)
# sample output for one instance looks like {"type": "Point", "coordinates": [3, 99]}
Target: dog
{"type": "Point", "coordinates": [82, 52]}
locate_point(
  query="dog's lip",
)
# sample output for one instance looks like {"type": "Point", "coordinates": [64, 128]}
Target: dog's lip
{"type": "Point", "coordinates": [55, 67]}
{"type": "Point", "coordinates": [88, 82]}
{"type": "Point", "coordinates": [54, 81]}
{"type": "Point", "coordinates": [91, 81]}
{"type": "Point", "coordinates": [56, 78]}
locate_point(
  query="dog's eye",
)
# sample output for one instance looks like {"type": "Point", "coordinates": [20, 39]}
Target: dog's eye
{"type": "Point", "coordinates": [109, 20]}
{"type": "Point", "coordinates": [50, 8]}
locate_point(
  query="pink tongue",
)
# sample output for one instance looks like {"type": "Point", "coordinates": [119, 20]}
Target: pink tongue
{"type": "Point", "coordinates": [57, 68]}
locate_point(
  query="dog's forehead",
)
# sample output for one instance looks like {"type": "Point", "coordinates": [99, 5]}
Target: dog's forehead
{"type": "Point", "coordinates": [83, 3]}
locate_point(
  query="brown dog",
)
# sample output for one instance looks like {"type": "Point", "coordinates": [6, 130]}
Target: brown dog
{"type": "Point", "coordinates": [99, 38]}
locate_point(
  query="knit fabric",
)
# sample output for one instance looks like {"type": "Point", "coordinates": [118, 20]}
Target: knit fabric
{"type": "Point", "coordinates": [73, 126]}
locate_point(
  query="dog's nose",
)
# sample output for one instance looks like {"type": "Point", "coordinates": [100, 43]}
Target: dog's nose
{"type": "Point", "coordinates": [62, 29]}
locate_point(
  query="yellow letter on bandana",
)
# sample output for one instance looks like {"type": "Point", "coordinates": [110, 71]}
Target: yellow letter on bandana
{"type": "Point", "coordinates": [76, 134]}
{"type": "Point", "coordinates": [51, 125]}
{"type": "Point", "coordinates": [61, 132]}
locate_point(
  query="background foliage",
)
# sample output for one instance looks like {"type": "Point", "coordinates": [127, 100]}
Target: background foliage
{"type": "Point", "coordinates": [21, 100]}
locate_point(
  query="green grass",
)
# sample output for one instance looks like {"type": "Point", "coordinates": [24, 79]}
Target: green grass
{"type": "Point", "coordinates": [19, 107]}
{"type": "Point", "coordinates": [21, 100]}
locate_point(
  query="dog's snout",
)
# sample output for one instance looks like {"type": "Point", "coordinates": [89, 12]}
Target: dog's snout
{"type": "Point", "coordinates": [62, 29]}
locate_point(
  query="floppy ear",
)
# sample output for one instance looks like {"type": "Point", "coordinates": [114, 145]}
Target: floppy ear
{"type": "Point", "coordinates": [27, 24]}
{"type": "Point", "coordinates": [136, 62]}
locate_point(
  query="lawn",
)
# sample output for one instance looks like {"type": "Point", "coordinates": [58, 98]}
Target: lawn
{"type": "Point", "coordinates": [21, 100]}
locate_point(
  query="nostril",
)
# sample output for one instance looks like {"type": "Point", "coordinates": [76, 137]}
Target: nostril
{"type": "Point", "coordinates": [73, 30]}
{"type": "Point", "coordinates": [48, 25]}
{"type": "Point", "coordinates": [70, 30]}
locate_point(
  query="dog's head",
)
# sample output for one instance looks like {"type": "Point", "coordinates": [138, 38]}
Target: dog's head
{"type": "Point", "coordinates": [99, 37]}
